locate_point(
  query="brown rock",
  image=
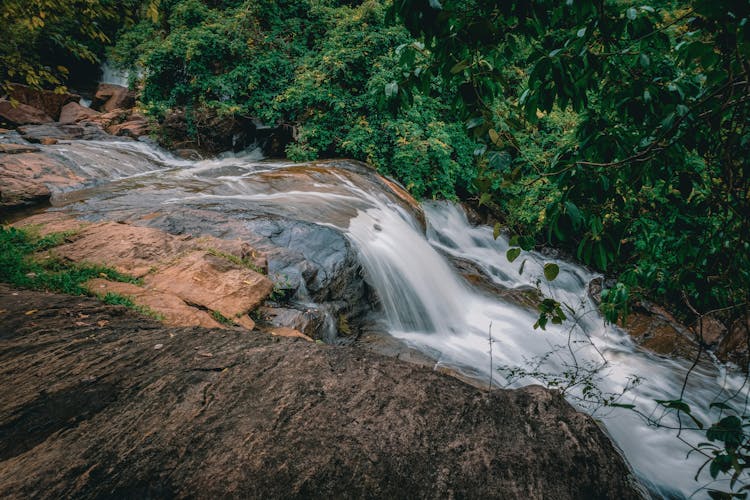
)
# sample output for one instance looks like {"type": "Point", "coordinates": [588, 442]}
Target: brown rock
{"type": "Point", "coordinates": [51, 222]}
{"type": "Point", "coordinates": [734, 346]}
{"type": "Point", "coordinates": [245, 321]}
{"type": "Point", "coordinates": [13, 149]}
{"type": "Point", "coordinates": [136, 126]}
{"type": "Point", "coordinates": [25, 178]}
{"type": "Point", "coordinates": [213, 283]}
{"type": "Point", "coordinates": [188, 154]}
{"type": "Point", "coordinates": [710, 330]}
{"type": "Point", "coordinates": [171, 307]}
{"type": "Point", "coordinates": [74, 112]}
{"type": "Point", "coordinates": [289, 332]}
{"type": "Point", "coordinates": [105, 120]}
{"type": "Point", "coordinates": [22, 114]}
{"type": "Point", "coordinates": [50, 102]}
{"type": "Point", "coordinates": [98, 411]}
{"type": "Point", "coordinates": [132, 250]}
{"type": "Point", "coordinates": [109, 97]}
{"type": "Point", "coordinates": [660, 335]}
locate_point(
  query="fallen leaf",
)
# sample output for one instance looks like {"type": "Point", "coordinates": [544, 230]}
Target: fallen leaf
{"type": "Point", "coordinates": [205, 354]}
{"type": "Point", "coordinates": [81, 315]}
{"type": "Point", "coordinates": [102, 323]}
{"type": "Point", "coordinates": [81, 323]}
{"type": "Point", "coordinates": [29, 313]}
{"type": "Point", "coordinates": [158, 346]}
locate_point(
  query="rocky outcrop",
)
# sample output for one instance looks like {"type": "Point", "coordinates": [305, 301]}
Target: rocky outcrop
{"type": "Point", "coordinates": [62, 132]}
{"type": "Point", "coordinates": [96, 402]}
{"type": "Point", "coordinates": [21, 114]}
{"type": "Point", "coordinates": [188, 281]}
{"type": "Point", "coordinates": [25, 176]}
{"type": "Point", "coordinates": [74, 112]}
{"type": "Point", "coordinates": [109, 97]}
{"type": "Point", "coordinates": [48, 101]}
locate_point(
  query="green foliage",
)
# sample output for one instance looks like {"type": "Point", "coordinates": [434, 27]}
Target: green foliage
{"type": "Point", "coordinates": [221, 318]}
{"type": "Point", "coordinates": [117, 299]}
{"type": "Point", "coordinates": [40, 39]}
{"type": "Point", "coordinates": [22, 265]}
{"type": "Point", "coordinates": [651, 177]}
{"type": "Point", "coordinates": [324, 69]}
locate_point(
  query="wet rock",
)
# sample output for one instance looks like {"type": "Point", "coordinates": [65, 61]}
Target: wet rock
{"type": "Point", "coordinates": [188, 154]}
{"type": "Point", "coordinates": [25, 178]}
{"type": "Point", "coordinates": [657, 331]}
{"type": "Point", "coordinates": [74, 112]}
{"type": "Point", "coordinates": [62, 132]}
{"type": "Point", "coordinates": [13, 149]}
{"type": "Point", "coordinates": [734, 346]}
{"type": "Point", "coordinates": [22, 114]}
{"type": "Point", "coordinates": [310, 321]}
{"type": "Point", "coordinates": [48, 101]}
{"type": "Point", "coordinates": [98, 411]}
{"type": "Point", "coordinates": [136, 125]}
{"type": "Point", "coordinates": [109, 97]}
{"type": "Point", "coordinates": [289, 332]}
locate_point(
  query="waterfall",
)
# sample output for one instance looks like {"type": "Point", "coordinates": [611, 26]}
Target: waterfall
{"type": "Point", "coordinates": [428, 304]}
{"type": "Point", "coordinates": [415, 278]}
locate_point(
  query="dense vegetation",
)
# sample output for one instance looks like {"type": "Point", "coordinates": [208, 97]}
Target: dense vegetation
{"type": "Point", "coordinates": [655, 183]}
{"type": "Point", "coordinates": [320, 68]}
{"type": "Point", "coordinates": [616, 130]}
{"type": "Point", "coordinates": [51, 43]}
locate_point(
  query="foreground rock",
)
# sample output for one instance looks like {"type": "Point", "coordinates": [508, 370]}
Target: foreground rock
{"type": "Point", "coordinates": [97, 402]}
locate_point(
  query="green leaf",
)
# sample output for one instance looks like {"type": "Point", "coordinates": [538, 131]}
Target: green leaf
{"type": "Point", "coordinates": [581, 32]}
{"type": "Point", "coordinates": [460, 66]}
{"type": "Point", "coordinates": [391, 89]}
{"type": "Point", "coordinates": [631, 13]}
{"type": "Point", "coordinates": [494, 137]}
{"type": "Point", "coordinates": [496, 230]}
{"type": "Point", "coordinates": [513, 253]}
{"type": "Point", "coordinates": [551, 271]}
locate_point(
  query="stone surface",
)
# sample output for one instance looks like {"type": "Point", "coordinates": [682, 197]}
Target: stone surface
{"type": "Point", "coordinates": [50, 102]}
{"type": "Point", "coordinates": [74, 112]}
{"type": "Point", "coordinates": [289, 332]}
{"type": "Point", "coordinates": [734, 345]}
{"type": "Point", "coordinates": [22, 114]}
{"type": "Point", "coordinates": [213, 283]}
{"type": "Point", "coordinates": [183, 277]}
{"type": "Point", "coordinates": [12, 149]}
{"type": "Point", "coordinates": [174, 310]}
{"type": "Point", "coordinates": [97, 402]}
{"type": "Point", "coordinates": [63, 131]}
{"type": "Point", "coordinates": [109, 97]}
{"type": "Point", "coordinates": [25, 178]}
{"type": "Point", "coordinates": [135, 126]}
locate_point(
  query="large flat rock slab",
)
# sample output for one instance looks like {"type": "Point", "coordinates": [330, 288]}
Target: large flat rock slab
{"type": "Point", "coordinates": [188, 281]}
{"type": "Point", "coordinates": [96, 402]}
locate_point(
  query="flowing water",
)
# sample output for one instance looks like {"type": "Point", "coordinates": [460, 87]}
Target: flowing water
{"type": "Point", "coordinates": [425, 301]}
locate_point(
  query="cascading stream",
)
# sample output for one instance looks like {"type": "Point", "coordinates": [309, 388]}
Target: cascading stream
{"type": "Point", "coordinates": [425, 301]}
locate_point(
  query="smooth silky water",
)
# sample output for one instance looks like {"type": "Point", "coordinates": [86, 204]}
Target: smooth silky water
{"type": "Point", "coordinates": [424, 301]}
